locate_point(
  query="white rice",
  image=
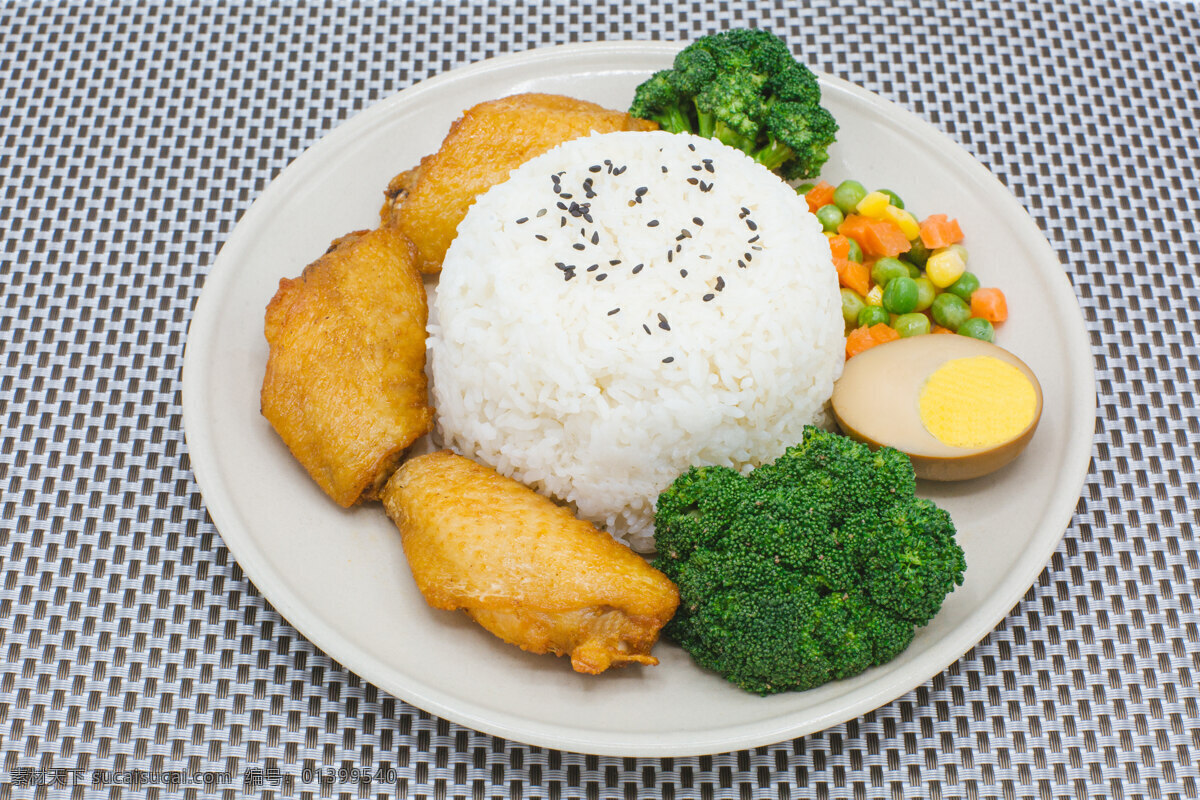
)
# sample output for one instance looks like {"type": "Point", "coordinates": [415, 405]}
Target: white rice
{"type": "Point", "coordinates": [536, 375]}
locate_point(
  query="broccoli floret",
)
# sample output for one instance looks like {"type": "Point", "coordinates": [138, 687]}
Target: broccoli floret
{"type": "Point", "coordinates": [743, 88]}
{"type": "Point", "coordinates": [812, 568]}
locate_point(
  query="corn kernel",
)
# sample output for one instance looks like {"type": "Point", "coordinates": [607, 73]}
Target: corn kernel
{"type": "Point", "coordinates": [875, 296]}
{"type": "Point", "coordinates": [944, 267]}
{"type": "Point", "coordinates": [873, 205]}
{"type": "Point", "coordinates": [906, 221]}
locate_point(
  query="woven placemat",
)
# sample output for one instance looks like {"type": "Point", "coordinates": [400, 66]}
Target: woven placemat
{"type": "Point", "coordinates": [136, 660]}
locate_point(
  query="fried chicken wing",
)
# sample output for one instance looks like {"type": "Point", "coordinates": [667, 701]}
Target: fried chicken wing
{"type": "Point", "coordinates": [523, 567]}
{"type": "Point", "coordinates": [345, 381]}
{"type": "Point", "coordinates": [481, 149]}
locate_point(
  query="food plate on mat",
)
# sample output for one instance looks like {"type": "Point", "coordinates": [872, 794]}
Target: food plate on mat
{"type": "Point", "coordinates": [340, 577]}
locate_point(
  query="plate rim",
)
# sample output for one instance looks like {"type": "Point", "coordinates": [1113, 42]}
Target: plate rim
{"type": "Point", "coordinates": [294, 610]}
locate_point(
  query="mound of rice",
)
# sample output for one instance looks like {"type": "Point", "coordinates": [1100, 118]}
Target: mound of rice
{"type": "Point", "coordinates": [628, 305]}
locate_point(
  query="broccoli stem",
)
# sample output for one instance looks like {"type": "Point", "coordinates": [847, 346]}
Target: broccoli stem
{"type": "Point", "coordinates": [673, 120]}
{"type": "Point", "coordinates": [773, 154]}
{"type": "Point", "coordinates": [726, 135]}
{"type": "Point", "coordinates": [706, 124]}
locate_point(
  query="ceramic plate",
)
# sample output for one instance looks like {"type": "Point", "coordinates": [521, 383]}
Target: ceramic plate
{"type": "Point", "coordinates": [340, 576]}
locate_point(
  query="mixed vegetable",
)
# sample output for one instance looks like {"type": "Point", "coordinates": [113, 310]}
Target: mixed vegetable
{"type": "Point", "coordinates": [899, 276]}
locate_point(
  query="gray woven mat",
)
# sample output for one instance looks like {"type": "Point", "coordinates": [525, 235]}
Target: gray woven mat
{"type": "Point", "coordinates": [133, 136]}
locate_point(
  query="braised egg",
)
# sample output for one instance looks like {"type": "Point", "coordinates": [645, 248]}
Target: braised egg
{"type": "Point", "coordinates": [959, 407]}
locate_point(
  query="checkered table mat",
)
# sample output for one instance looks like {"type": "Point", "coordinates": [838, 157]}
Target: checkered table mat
{"type": "Point", "coordinates": [136, 660]}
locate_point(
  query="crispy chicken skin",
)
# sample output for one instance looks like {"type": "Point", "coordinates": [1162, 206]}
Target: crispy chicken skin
{"type": "Point", "coordinates": [345, 381]}
{"type": "Point", "coordinates": [481, 149]}
{"type": "Point", "coordinates": [523, 567]}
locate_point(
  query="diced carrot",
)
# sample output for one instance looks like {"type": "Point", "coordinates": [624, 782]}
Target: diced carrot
{"type": "Point", "coordinates": [939, 329]}
{"type": "Point", "coordinates": [819, 195]}
{"type": "Point", "coordinates": [864, 338]}
{"type": "Point", "coordinates": [939, 231]}
{"type": "Point", "coordinates": [853, 275]}
{"type": "Point", "coordinates": [876, 237]}
{"type": "Point", "coordinates": [989, 304]}
{"type": "Point", "coordinates": [839, 246]}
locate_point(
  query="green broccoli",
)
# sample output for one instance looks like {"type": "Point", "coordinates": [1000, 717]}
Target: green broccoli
{"type": "Point", "coordinates": [743, 88]}
{"type": "Point", "coordinates": [809, 569]}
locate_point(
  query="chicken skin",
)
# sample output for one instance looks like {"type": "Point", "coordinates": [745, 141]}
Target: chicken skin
{"type": "Point", "coordinates": [345, 383]}
{"type": "Point", "coordinates": [488, 142]}
{"type": "Point", "coordinates": [523, 567]}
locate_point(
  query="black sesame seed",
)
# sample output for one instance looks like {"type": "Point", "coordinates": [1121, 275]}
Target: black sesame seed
{"type": "Point", "coordinates": [697, 167]}
{"type": "Point", "coordinates": [614, 262]}
{"type": "Point", "coordinates": [539, 237]}
{"type": "Point", "coordinates": [601, 276]}
{"type": "Point", "coordinates": [562, 205]}
{"type": "Point", "coordinates": [705, 187]}
{"type": "Point", "coordinates": [708, 297]}
{"type": "Point", "coordinates": [683, 273]}
{"type": "Point", "coordinates": [708, 165]}
{"type": "Point", "coordinates": [678, 247]}
{"type": "Point", "coordinates": [619, 170]}
{"type": "Point", "coordinates": [664, 169]}
{"type": "Point", "coordinates": [652, 223]}
{"type": "Point", "coordinates": [566, 195]}
{"type": "Point", "coordinates": [668, 359]}
{"type": "Point", "coordinates": [741, 263]}
{"type": "Point", "coordinates": [587, 217]}
{"type": "Point", "coordinates": [646, 328]}
{"type": "Point", "coordinates": [670, 256]}
{"type": "Point", "coordinates": [641, 190]}
{"type": "Point", "coordinates": [745, 213]}
{"type": "Point", "coordinates": [751, 224]}
{"type": "Point", "coordinates": [720, 283]}
{"type": "Point", "coordinates": [706, 256]}
{"type": "Point", "coordinates": [562, 223]}
{"type": "Point", "coordinates": [691, 147]}
{"type": "Point", "coordinates": [593, 268]}
{"type": "Point", "coordinates": [662, 323]}
{"type": "Point", "coordinates": [748, 256]}
{"type": "Point", "coordinates": [595, 168]}
{"type": "Point", "coordinates": [697, 221]}
{"type": "Point", "coordinates": [755, 247]}
{"type": "Point", "coordinates": [595, 238]}
{"type": "Point", "coordinates": [578, 246]}
{"type": "Point", "coordinates": [541, 212]}
{"type": "Point", "coordinates": [693, 181]}
{"type": "Point", "coordinates": [638, 269]}
{"type": "Point", "coordinates": [752, 239]}
{"type": "Point", "coordinates": [614, 311]}
{"type": "Point", "coordinates": [522, 220]}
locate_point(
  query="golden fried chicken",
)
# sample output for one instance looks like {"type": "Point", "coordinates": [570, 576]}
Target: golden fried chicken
{"type": "Point", "coordinates": [523, 567]}
{"type": "Point", "coordinates": [488, 142]}
{"type": "Point", "coordinates": [345, 382]}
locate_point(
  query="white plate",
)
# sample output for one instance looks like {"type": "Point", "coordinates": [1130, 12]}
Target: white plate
{"type": "Point", "coordinates": [340, 577]}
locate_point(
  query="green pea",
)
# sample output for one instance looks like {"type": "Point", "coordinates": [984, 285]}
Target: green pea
{"type": "Point", "coordinates": [911, 325]}
{"type": "Point", "coordinates": [926, 292]}
{"type": "Point", "coordinates": [830, 217]}
{"type": "Point", "coordinates": [950, 310]}
{"type": "Point", "coordinates": [913, 270]}
{"type": "Point", "coordinates": [917, 253]}
{"type": "Point", "coordinates": [965, 286]}
{"type": "Point", "coordinates": [887, 268]}
{"type": "Point", "coordinates": [805, 188]}
{"type": "Point", "coordinates": [978, 328]}
{"type": "Point", "coordinates": [848, 195]}
{"type": "Point", "coordinates": [856, 253]}
{"type": "Point", "coordinates": [900, 295]}
{"type": "Point", "coordinates": [852, 304]}
{"type": "Point", "coordinates": [893, 198]}
{"type": "Point", "coordinates": [873, 315]}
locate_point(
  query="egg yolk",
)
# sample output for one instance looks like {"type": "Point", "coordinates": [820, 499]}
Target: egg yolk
{"type": "Point", "coordinates": [977, 402]}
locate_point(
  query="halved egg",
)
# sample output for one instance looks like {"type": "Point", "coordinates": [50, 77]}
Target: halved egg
{"type": "Point", "coordinates": [959, 407]}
